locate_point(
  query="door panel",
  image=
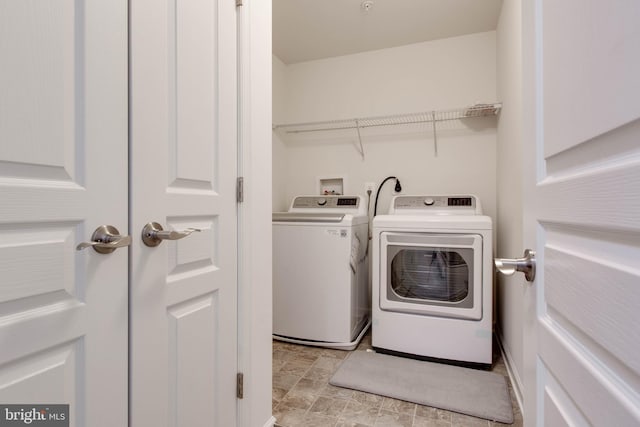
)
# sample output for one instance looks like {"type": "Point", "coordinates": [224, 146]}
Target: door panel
{"type": "Point", "coordinates": [600, 285]}
{"type": "Point", "coordinates": [40, 107]}
{"type": "Point", "coordinates": [183, 134]}
{"type": "Point", "coordinates": [559, 410]}
{"type": "Point", "coordinates": [598, 395]}
{"type": "Point", "coordinates": [193, 336]}
{"type": "Point", "coordinates": [582, 124]}
{"type": "Point", "coordinates": [63, 173]}
{"type": "Point", "coordinates": [584, 94]}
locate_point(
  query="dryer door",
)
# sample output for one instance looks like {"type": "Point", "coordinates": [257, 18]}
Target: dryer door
{"type": "Point", "coordinates": [432, 274]}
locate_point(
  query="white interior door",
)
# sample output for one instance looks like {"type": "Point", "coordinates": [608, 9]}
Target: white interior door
{"type": "Point", "coordinates": [582, 204]}
{"type": "Point", "coordinates": [183, 145]}
{"type": "Point", "coordinates": [63, 173]}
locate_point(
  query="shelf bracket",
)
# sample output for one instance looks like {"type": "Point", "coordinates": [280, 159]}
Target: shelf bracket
{"type": "Point", "coordinates": [435, 135]}
{"type": "Point", "coordinates": [361, 151]}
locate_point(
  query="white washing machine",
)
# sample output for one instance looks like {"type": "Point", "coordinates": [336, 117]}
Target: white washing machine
{"type": "Point", "coordinates": [321, 291]}
{"type": "Point", "coordinates": [432, 280]}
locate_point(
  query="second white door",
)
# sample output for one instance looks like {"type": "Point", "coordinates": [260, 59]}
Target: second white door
{"type": "Point", "coordinates": [183, 297]}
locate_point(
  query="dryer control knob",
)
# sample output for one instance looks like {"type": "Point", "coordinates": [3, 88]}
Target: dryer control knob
{"type": "Point", "coordinates": [322, 202]}
{"type": "Point", "coordinates": [429, 201]}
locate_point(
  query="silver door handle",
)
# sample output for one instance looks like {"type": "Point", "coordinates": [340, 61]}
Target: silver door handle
{"type": "Point", "coordinates": [105, 239]}
{"type": "Point", "coordinates": [526, 265]}
{"type": "Point", "coordinates": [153, 234]}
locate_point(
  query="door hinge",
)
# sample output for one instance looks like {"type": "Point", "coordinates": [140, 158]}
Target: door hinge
{"type": "Point", "coordinates": [240, 385]}
{"type": "Point", "coordinates": [239, 3]}
{"type": "Point", "coordinates": [240, 189]}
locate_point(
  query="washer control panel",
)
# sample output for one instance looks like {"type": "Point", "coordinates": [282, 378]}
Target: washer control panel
{"type": "Point", "coordinates": [326, 202]}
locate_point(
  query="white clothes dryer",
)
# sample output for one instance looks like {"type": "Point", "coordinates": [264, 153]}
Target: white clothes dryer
{"type": "Point", "coordinates": [321, 290]}
{"type": "Point", "coordinates": [432, 280]}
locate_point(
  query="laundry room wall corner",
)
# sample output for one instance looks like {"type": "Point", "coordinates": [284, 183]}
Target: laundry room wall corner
{"type": "Point", "coordinates": [509, 290]}
{"type": "Point", "coordinates": [280, 159]}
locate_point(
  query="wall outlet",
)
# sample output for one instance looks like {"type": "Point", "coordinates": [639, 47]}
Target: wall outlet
{"type": "Point", "coordinates": [370, 186]}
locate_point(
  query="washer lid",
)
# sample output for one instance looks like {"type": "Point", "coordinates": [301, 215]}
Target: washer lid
{"type": "Point", "coordinates": [307, 217]}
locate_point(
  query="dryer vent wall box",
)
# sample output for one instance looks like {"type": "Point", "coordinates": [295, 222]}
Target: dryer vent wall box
{"type": "Point", "coordinates": [320, 272]}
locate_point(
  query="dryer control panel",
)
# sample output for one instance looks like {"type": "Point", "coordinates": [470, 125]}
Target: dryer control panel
{"type": "Point", "coordinates": [458, 204]}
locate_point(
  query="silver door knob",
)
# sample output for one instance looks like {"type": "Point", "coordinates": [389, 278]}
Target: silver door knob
{"type": "Point", "coordinates": [105, 239]}
{"type": "Point", "coordinates": [526, 265]}
{"type": "Point", "coordinates": [153, 234]}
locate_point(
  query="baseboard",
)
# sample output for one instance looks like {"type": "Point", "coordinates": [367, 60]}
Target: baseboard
{"type": "Point", "coordinates": [271, 422]}
{"type": "Point", "coordinates": [516, 382]}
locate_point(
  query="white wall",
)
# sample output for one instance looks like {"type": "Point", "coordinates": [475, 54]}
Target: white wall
{"type": "Point", "coordinates": [510, 241]}
{"type": "Point", "coordinates": [279, 152]}
{"type": "Point", "coordinates": [443, 74]}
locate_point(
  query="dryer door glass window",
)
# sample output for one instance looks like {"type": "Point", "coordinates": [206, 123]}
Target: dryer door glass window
{"type": "Point", "coordinates": [440, 275]}
{"type": "Point", "coordinates": [431, 275]}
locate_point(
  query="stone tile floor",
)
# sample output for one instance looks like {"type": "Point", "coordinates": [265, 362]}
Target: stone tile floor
{"type": "Point", "coordinates": [303, 397]}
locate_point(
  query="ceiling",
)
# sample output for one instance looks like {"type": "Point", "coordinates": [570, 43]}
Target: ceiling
{"type": "Point", "coordinates": [305, 30]}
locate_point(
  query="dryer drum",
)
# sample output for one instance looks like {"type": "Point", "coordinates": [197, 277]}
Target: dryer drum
{"type": "Point", "coordinates": [430, 274]}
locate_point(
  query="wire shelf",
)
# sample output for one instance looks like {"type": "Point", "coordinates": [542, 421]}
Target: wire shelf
{"type": "Point", "coordinates": [433, 117]}
{"type": "Point", "coordinates": [477, 110]}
